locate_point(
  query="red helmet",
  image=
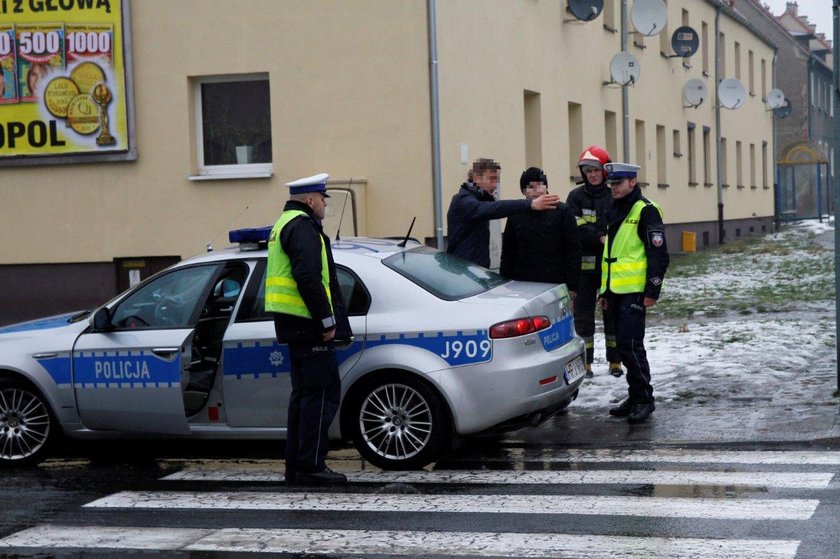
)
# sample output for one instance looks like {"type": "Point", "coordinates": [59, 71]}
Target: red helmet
{"type": "Point", "coordinates": [594, 156]}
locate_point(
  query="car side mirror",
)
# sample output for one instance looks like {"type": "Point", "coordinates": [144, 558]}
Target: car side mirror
{"type": "Point", "coordinates": [101, 320]}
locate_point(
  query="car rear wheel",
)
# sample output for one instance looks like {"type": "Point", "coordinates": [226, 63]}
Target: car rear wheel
{"type": "Point", "coordinates": [26, 426]}
{"type": "Point", "coordinates": [398, 423]}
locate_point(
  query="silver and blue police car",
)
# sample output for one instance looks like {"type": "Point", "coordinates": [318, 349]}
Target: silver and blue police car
{"type": "Point", "coordinates": [443, 348]}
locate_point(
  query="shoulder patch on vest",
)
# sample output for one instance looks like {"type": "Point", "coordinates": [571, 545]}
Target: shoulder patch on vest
{"type": "Point", "coordinates": [657, 238]}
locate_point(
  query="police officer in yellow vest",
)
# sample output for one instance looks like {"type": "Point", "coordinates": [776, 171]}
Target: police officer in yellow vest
{"type": "Point", "coordinates": [633, 266]}
{"type": "Point", "coordinates": [302, 290]}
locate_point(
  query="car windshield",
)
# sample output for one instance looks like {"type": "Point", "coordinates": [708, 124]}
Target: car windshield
{"type": "Point", "coordinates": [442, 274]}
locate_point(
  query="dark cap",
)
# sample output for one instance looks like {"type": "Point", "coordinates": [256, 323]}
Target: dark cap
{"type": "Point", "coordinates": [532, 174]}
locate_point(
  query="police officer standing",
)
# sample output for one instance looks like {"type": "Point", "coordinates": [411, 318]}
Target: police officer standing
{"type": "Point", "coordinates": [633, 266]}
{"type": "Point", "coordinates": [302, 290]}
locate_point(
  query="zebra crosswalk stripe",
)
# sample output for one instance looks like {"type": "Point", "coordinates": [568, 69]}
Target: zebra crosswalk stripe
{"type": "Point", "coordinates": [477, 544]}
{"type": "Point", "coordinates": [678, 456]}
{"type": "Point", "coordinates": [678, 507]}
{"type": "Point", "coordinates": [783, 480]}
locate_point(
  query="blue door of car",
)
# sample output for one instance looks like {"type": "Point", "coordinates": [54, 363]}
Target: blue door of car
{"type": "Point", "coordinates": [130, 376]}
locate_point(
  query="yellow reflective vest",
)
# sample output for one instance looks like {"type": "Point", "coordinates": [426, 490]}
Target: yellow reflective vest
{"type": "Point", "coordinates": [624, 263]}
{"type": "Point", "coordinates": [281, 292]}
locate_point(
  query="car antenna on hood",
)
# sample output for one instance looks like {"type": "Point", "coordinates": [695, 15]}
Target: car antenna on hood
{"type": "Point", "coordinates": [408, 235]}
{"type": "Point", "coordinates": [341, 218]}
{"type": "Point", "coordinates": [211, 241]}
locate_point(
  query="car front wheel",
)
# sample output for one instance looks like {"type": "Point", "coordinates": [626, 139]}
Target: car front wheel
{"type": "Point", "coordinates": [26, 426]}
{"type": "Point", "coordinates": [398, 423]}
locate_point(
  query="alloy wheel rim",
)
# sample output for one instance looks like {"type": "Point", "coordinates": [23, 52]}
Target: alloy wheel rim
{"type": "Point", "coordinates": [396, 421]}
{"type": "Point", "coordinates": [24, 424]}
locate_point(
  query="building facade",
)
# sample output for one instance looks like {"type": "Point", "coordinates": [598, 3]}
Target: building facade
{"type": "Point", "coordinates": [352, 88]}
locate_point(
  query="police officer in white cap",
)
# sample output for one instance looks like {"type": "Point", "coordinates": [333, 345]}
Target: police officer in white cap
{"type": "Point", "coordinates": [302, 290]}
{"type": "Point", "coordinates": [633, 265]}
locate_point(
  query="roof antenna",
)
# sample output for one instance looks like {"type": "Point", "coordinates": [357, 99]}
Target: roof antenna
{"type": "Point", "coordinates": [341, 218]}
{"type": "Point", "coordinates": [408, 235]}
{"type": "Point", "coordinates": [211, 241]}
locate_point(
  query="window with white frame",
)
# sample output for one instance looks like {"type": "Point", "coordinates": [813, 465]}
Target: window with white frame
{"type": "Point", "coordinates": [233, 117]}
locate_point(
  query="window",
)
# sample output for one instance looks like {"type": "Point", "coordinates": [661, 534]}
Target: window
{"type": "Point", "coordinates": [764, 165]}
{"type": "Point", "coordinates": [533, 129]}
{"type": "Point", "coordinates": [707, 156]}
{"type": "Point", "coordinates": [763, 79]}
{"type": "Point", "coordinates": [692, 155]}
{"type": "Point", "coordinates": [355, 295]}
{"type": "Point", "coordinates": [739, 165]}
{"type": "Point", "coordinates": [704, 46]}
{"type": "Point", "coordinates": [641, 150]}
{"type": "Point", "coordinates": [611, 132]}
{"type": "Point", "coordinates": [233, 118]}
{"type": "Point", "coordinates": [168, 301]}
{"type": "Point", "coordinates": [661, 150]}
{"type": "Point", "coordinates": [575, 137]}
{"type": "Point", "coordinates": [724, 169]}
{"type": "Point", "coordinates": [737, 60]}
{"type": "Point", "coordinates": [751, 70]}
{"type": "Point", "coordinates": [443, 275]}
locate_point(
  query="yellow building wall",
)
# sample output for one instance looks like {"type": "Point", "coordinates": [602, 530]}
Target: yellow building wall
{"type": "Point", "coordinates": [349, 85]}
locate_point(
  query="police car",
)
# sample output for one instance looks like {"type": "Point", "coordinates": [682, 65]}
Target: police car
{"type": "Point", "coordinates": [442, 348]}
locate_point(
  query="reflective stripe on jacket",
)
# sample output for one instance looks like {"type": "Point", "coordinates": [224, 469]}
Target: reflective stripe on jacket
{"type": "Point", "coordinates": [281, 291]}
{"type": "Point", "coordinates": [624, 265]}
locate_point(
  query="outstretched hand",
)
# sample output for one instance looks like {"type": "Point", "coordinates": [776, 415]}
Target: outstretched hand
{"type": "Point", "coordinates": [545, 202]}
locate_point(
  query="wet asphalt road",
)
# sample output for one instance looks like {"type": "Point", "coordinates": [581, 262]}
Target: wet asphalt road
{"type": "Point", "coordinates": [55, 494]}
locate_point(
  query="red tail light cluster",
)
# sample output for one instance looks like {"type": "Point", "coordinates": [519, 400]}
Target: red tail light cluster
{"type": "Point", "coordinates": [519, 327]}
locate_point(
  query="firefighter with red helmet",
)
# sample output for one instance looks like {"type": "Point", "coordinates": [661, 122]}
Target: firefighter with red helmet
{"type": "Point", "coordinates": [589, 201]}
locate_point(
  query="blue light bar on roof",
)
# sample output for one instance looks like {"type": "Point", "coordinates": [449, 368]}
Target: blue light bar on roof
{"type": "Point", "coordinates": [252, 235]}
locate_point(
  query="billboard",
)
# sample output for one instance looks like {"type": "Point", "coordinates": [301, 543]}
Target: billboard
{"type": "Point", "coordinates": [65, 80]}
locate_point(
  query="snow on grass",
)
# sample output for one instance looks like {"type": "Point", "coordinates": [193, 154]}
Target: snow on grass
{"type": "Point", "coordinates": [755, 321]}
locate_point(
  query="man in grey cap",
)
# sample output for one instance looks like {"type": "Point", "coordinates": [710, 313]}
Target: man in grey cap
{"type": "Point", "coordinates": [633, 266]}
{"type": "Point", "coordinates": [302, 290]}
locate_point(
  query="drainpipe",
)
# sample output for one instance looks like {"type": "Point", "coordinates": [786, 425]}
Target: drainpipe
{"type": "Point", "coordinates": [625, 91]}
{"type": "Point", "coordinates": [435, 117]}
{"type": "Point", "coordinates": [721, 230]}
{"type": "Point", "coordinates": [775, 154]}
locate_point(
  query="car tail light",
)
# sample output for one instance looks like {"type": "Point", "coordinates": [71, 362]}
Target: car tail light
{"type": "Point", "coordinates": [519, 327]}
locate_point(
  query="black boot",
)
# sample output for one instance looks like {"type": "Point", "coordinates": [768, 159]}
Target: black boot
{"type": "Point", "coordinates": [623, 409]}
{"type": "Point", "coordinates": [640, 412]}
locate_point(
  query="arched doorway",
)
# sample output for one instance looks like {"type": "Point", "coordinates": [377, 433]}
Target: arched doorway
{"type": "Point", "coordinates": [804, 182]}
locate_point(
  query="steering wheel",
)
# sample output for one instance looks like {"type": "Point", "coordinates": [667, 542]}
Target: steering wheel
{"type": "Point", "coordinates": [167, 312]}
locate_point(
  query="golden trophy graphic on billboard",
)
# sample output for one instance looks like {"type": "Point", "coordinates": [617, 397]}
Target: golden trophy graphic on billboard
{"type": "Point", "coordinates": [102, 95]}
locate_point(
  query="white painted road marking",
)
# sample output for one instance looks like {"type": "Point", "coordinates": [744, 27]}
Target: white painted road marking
{"type": "Point", "coordinates": [424, 543]}
{"type": "Point", "coordinates": [680, 456]}
{"type": "Point", "coordinates": [661, 507]}
{"type": "Point", "coordinates": [521, 477]}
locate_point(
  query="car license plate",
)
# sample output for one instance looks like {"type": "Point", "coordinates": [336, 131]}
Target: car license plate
{"type": "Point", "coordinates": [574, 370]}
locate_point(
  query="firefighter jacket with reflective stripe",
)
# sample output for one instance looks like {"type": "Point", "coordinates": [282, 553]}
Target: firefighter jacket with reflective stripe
{"type": "Point", "coordinates": [281, 289]}
{"type": "Point", "coordinates": [635, 255]}
{"type": "Point", "coordinates": [590, 203]}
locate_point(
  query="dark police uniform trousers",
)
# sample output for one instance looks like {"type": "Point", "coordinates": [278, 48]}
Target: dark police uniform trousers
{"type": "Point", "coordinates": [626, 314]}
{"type": "Point", "coordinates": [313, 404]}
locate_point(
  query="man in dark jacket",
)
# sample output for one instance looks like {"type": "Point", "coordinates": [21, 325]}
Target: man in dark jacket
{"type": "Point", "coordinates": [302, 290]}
{"type": "Point", "coordinates": [632, 269]}
{"type": "Point", "coordinates": [589, 201]}
{"type": "Point", "coordinates": [541, 246]}
{"type": "Point", "coordinates": [472, 208]}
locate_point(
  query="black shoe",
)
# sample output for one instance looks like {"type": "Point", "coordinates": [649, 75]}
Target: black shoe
{"type": "Point", "coordinates": [623, 409]}
{"type": "Point", "coordinates": [616, 372]}
{"type": "Point", "coordinates": [640, 413]}
{"type": "Point", "coordinates": [589, 373]}
{"type": "Point", "coordinates": [324, 477]}
{"type": "Point", "coordinates": [289, 477]}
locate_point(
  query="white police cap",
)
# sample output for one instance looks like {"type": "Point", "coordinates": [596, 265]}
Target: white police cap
{"type": "Point", "coordinates": [315, 183]}
{"type": "Point", "coordinates": [618, 171]}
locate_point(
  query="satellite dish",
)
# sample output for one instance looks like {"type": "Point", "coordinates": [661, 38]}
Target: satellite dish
{"type": "Point", "coordinates": [685, 41]}
{"type": "Point", "coordinates": [586, 10]}
{"type": "Point", "coordinates": [649, 16]}
{"type": "Point", "coordinates": [731, 93]}
{"type": "Point", "coordinates": [784, 110]}
{"type": "Point", "coordinates": [624, 69]}
{"type": "Point", "coordinates": [695, 92]}
{"type": "Point", "coordinates": [775, 98]}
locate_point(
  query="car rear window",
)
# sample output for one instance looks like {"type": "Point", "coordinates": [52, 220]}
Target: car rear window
{"type": "Point", "coordinates": [442, 274]}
